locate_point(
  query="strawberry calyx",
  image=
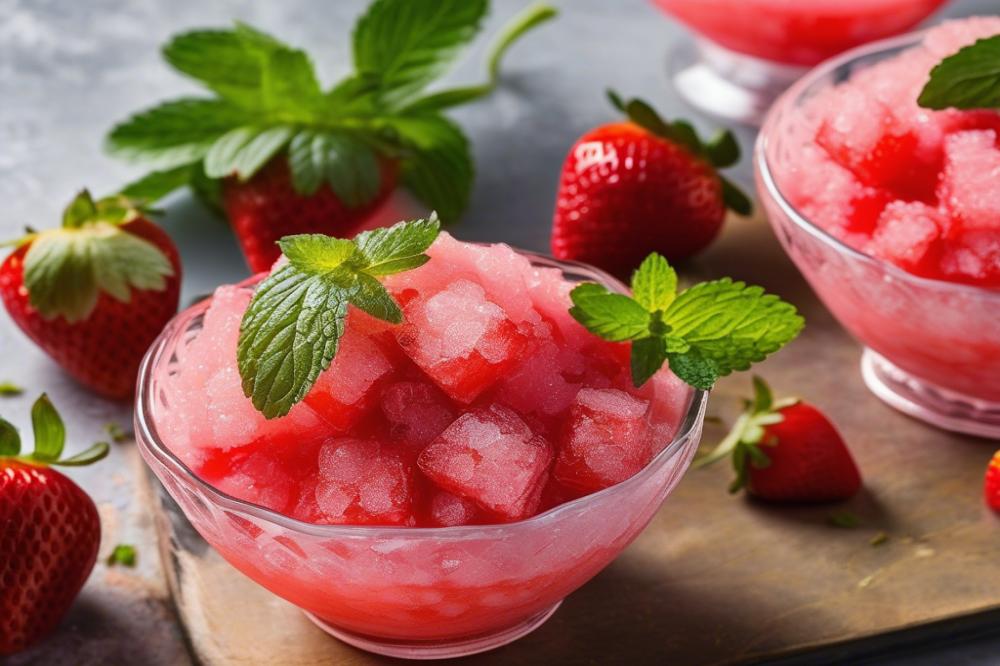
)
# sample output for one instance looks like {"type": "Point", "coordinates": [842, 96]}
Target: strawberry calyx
{"type": "Point", "coordinates": [721, 151]}
{"type": "Point", "coordinates": [50, 439]}
{"type": "Point", "coordinates": [66, 269]}
{"type": "Point", "coordinates": [744, 441]}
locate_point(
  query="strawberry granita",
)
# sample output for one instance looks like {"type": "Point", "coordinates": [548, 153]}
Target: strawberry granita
{"type": "Point", "coordinates": [486, 398]}
{"type": "Point", "coordinates": [912, 186]}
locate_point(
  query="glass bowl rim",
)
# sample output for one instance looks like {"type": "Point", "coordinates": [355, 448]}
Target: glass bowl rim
{"type": "Point", "coordinates": [770, 186]}
{"type": "Point", "coordinates": [150, 443]}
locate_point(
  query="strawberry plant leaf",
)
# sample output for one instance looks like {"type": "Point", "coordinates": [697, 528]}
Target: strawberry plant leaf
{"type": "Point", "coordinates": [723, 150]}
{"type": "Point", "coordinates": [968, 79]}
{"type": "Point", "coordinates": [614, 317]}
{"type": "Point", "coordinates": [219, 59]}
{"type": "Point", "coordinates": [402, 45]}
{"type": "Point", "coordinates": [438, 168]}
{"type": "Point", "coordinates": [291, 330]}
{"type": "Point", "coordinates": [91, 454]}
{"type": "Point", "coordinates": [648, 355]}
{"type": "Point", "coordinates": [10, 440]}
{"type": "Point", "coordinates": [654, 283]}
{"type": "Point", "coordinates": [243, 151]}
{"type": "Point", "coordinates": [10, 389]}
{"type": "Point", "coordinates": [763, 398]}
{"type": "Point", "coordinates": [65, 270]}
{"type": "Point", "coordinates": [348, 165]}
{"type": "Point", "coordinates": [81, 209]}
{"type": "Point", "coordinates": [177, 132]}
{"type": "Point", "coordinates": [734, 198]}
{"type": "Point", "coordinates": [49, 430]}
{"type": "Point", "coordinates": [157, 184]}
{"type": "Point", "coordinates": [289, 84]}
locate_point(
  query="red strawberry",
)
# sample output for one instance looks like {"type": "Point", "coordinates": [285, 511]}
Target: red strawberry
{"type": "Point", "coordinates": [95, 293]}
{"type": "Point", "coordinates": [49, 530]}
{"type": "Point", "coordinates": [267, 207]}
{"type": "Point", "coordinates": [282, 155]}
{"type": "Point", "coordinates": [991, 485]}
{"type": "Point", "coordinates": [787, 451]}
{"type": "Point", "coordinates": [641, 186]}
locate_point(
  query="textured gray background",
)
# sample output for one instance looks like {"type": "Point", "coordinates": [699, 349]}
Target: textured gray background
{"type": "Point", "coordinates": [68, 70]}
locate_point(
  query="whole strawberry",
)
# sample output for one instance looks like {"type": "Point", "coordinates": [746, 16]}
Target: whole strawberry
{"type": "Point", "coordinates": [49, 530]}
{"type": "Point", "coordinates": [787, 451]}
{"type": "Point", "coordinates": [991, 485]}
{"type": "Point", "coordinates": [640, 186]}
{"type": "Point", "coordinates": [94, 293]}
{"type": "Point", "coordinates": [283, 156]}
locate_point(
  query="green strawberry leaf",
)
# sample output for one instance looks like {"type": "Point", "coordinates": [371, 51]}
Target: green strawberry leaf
{"type": "Point", "coordinates": [243, 151]}
{"type": "Point", "coordinates": [614, 317]}
{"type": "Point", "coordinates": [723, 150]}
{"type": "Point", "coordinates": [289, 85]}
{"type": "Point", "coordinates": [348, 165]}
{"type": "Point", "coordinates": [157, 184]}
{"type": "Point", "coordinates": [65, 270]}
{"type": "Point", "coordinates": [734, 198]}
{"type": "Point", "coordinates": [92, 454]}
{"type": "Point", "coordinates": [49, 430]}
{"type": "Point", "coordinates": [654, 283]}
{"type": "Point", "coordinates": [177, 132]}
{"type": "Point", "coordinates": [219, 59]}
{"type": "Point", "coordinates": [10, 440]}
{"type": "Point", "coordinates": [122, 554]}
{"type": "Point", "coordinates": [438, 168]}
{"type": "Point", "coordinates": [968, 79]}
{"type": "Point", "coordinates": [10, 389]}
{"type": "Point", "coordinates": [292, 328]}
{"type": "Point", "coordinates": [402, 45]}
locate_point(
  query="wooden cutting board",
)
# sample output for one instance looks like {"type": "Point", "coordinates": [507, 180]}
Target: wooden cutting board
{"type": "Point", "coordinates": [714, 579]}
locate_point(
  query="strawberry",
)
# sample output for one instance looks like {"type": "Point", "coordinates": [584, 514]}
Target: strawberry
{"type": "Point", "coordinates": [640, 186]}
{"type": "Point", "coordinates": [94, 293]}
{"type": "Point", "coordinates": [49, 530]}
{"type": "Point", "coordinates": [787, 451]}
{"type": "Point", "coordinates": [283, 156]}
{"type": "Point", "coordinates": [991, 485]}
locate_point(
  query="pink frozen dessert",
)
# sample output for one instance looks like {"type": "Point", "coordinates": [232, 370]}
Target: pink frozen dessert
{"type": "Point", "coordinates": [907, 184]}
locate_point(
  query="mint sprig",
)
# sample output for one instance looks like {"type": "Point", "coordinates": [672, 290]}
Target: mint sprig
{"type": "Point", "coordinates": [50, 439]}
{"type": "Point", "coordinates": [292, 328]}
{"type": "Point", "coordinates": [268, 102]}
{"type": "Point", "coordinates": [968, 79]}
{"type": "Point", "coordinates": [704, 332]}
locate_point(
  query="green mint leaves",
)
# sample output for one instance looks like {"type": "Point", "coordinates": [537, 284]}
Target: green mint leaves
{"type": "Point", "coordinates": [704, 332]}
{"type": "Point", "coordinates": [268, 102]}
{"type": "Point", "coordinates": [291, 330]}
{"type": "Point", "coordinates": [67, 269]}
{"type": "Point", "coordinates": [721, 151]}
{"type": "Point", "coordinates": [50, 439]}
{"type": "Point", "coordinates": [969, 79]}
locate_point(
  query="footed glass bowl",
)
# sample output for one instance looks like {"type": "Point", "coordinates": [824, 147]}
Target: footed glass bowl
{"type": "Point", "coordinates": [932, 348]}
{"type": "Point", "coordinates": [419, 593]}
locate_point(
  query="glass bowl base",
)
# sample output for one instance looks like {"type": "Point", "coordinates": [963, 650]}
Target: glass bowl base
{"type": "Point", "coordinates": [928, 402]}
{"type": "Point", "coordinates": [728, 85]}
{"type": "Point", "coordinates": [437, 649]}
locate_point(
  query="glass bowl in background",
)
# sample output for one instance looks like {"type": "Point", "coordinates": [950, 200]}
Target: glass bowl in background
{"type": "Point", "coordinates": [414, 592]}
{"type": "Point", "coordinates": [746, 52]}
{"type": "Point", "coordinates": [932, 348]}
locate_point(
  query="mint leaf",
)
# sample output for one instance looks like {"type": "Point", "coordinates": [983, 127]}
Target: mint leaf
{"type": "Point", "coordinates": [968, 79]}
{"type": "Point", "coordinates": [157, 184]}
{"type": "Point", "coordinates": [648, 355]}
{"type": "Point", "coordinates": [122, 554]}
{"type": "Point", "coordinates": [437, 167]}
{"type": "Point", "coordinates": [731, 324]}
{"type": "Point", "coordinates": [612, 316]}
{"type": "Point", "coordinates": [177, 132]}
{"type": "Point", "coordinates": [291, 330]}
{"type": "Point", "coordinates": [10, 440]}
{"type": "Point", "coordinates": [654, 283]}
{"type": "Point", "coordinates": [65, 270]}
{"type": "Point", "coordinates": [50, 433]}
{"type": "Point", "coordinates": [694, 369]}
{"type": "Point", "coordinates": [402, 45]}
{"type": "Point", "coordinates": [348, 165]}
{"type": "Point", "coordinates": [243, 151]}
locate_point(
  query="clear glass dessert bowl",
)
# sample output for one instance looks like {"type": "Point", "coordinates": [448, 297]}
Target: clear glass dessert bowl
{"type": "Point", "coordinates": [414, 592]}
{"type": "Point", "coordinates": [932, 348]}
{"type": "Point", "coordinates": [746, 52]}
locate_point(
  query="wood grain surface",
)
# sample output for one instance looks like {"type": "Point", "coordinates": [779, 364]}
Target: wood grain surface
{"type": "Point", "coordinates": [716, 579]}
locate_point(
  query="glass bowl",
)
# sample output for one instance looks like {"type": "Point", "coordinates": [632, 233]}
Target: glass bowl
{"type": "Point", "coordinates": [932, 348]}
{"type": "Point", "coordinates": [746, 52]}
{"type": "Point", "coordinates": [414, 592]}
